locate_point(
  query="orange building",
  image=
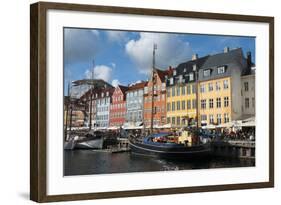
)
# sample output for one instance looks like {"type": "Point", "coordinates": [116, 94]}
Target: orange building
{"type": "Point", "coordinates": [159, 103]}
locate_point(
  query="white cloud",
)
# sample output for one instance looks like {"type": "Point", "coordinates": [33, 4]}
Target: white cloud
{"type": "Point", "coordinates": [115, 82]}
{"type": "Point", "coordinates": [171, 50]}
{"type": "Point", "coordinates": [100, 72]}
{"type": "Point", "coordinates": [80, 45]}
{"type": "Point", "coordinates": [117, 36]}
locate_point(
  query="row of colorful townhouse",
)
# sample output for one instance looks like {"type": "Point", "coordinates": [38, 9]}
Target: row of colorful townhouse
{"type": "Point", "coordinates": [226, 91]}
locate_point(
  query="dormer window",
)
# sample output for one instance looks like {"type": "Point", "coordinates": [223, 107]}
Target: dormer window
{"type": "Point", "coordinates": [207, 73]}
{"type": "Point", "coordinates": [174, 72]}
{"type": "Point", "coordinates": [221, 69]}
{"type": "Point", "coordinates": [191, 76]}
{"type": "Point", "coordinates": [180, 79]}
{"type": "Point", "coordinates": [184, 70]}
{"type": "Point", "coordinates": [171, 81]}
{"type": "Point", "coordinates": [194, 67]}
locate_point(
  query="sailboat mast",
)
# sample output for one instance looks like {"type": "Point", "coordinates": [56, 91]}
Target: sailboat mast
{"type": "Point", "coordinates": [91, 95]}
{"type": "Point", "coordinates": [152, 100]}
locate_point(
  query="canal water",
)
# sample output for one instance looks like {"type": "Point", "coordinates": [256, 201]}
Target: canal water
{"type": "Point", "coordinates": [86, 162]}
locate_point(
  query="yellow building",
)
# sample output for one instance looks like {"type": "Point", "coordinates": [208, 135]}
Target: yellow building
{"type": "Point", "coordinates": [220, 87]}
{"type": "Point", "coordinates": [215, 101]}
{"type": "Point", "coordinates": [218, 79]}
{"type": "Point", "coordinates": [181, 93]}
{"type": "Point", "coordinates": [181, 104]}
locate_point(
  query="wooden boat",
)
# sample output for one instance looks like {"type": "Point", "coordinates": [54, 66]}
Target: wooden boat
{"type": "Point", "coordinates": [161, 145]}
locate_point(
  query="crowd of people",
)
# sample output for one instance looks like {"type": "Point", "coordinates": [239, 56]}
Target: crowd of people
{"type": "Point", "coordinates": [248, 134]}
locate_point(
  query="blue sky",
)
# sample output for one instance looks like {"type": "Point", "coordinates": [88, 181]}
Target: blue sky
{"type": "Point", "coordinates": [122, 57]}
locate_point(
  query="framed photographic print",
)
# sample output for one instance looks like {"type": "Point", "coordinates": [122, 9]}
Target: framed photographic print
{"type": "Point", "coordinates": [136, 102]}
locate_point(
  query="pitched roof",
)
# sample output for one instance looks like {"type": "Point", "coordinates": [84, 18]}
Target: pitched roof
{"type": "Point", "coordinates": [233, 59]}
{"type": "Point", "coordinates": [123, 88]}
{"type": "Point", "coordinates": [137, 86]}
{"type": "Point", "coordinates": [163, 73]}
{"type": "Point", "coordinates": [232, 56]}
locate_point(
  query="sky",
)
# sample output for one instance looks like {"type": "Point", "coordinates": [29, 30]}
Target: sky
{"type": "Point", "coordinates": [124, 57]}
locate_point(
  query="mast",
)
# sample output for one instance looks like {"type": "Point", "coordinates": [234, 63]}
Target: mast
{"type": "Point", "coordinates": [91, 96]}
{"type": "Point", "coordinates": [152, 100]}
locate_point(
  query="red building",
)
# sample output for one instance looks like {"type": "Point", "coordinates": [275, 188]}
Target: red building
{"type": "Point", "coordinates": [118, 107]}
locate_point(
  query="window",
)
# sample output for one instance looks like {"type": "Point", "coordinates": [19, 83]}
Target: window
{"type": "Point", "coordinates": [218, 102]}
{"type": "Point", "coordinates": [163, 86]}
{"type": "Point", "coordinates": [202, 88]}
{"type": "Point", "coordinates": [221, 69]}
{"type": "Point", "coordinates": [226, 101]}
{"type": "Point", "coordinates": [178, 91]}
{"type": "Point", "coordinates": [188, 90]}
{"type": "Point", "coordinates": [183, 90]}
{"type": "Point", "coordinates": [219, 119]}
{"type": "Point", "coordinates": [180, 79]}
{"type": "Point", "coordinates": [178, 105]}
{"type": "Point", "coordinates": [191, 77]}
{"type": "Point", "coordinates": [211, 103]}
{"type": "Point", "coordinates": [175, 72]}
{"type": "Point", "coordinates": [207, 73]}
{"type": "Point", "coordinates": [171, 81]}
{"type": "Point", "coordinates": [173, 106]}
{"type": "Point", "coordinates": [168, 120]}
{"type": "Point", "coordinates": [194, 67]}
{"type": "Point", "coordinates": [168, 106]}
{"type": "Point", "coordinates": [183, 105]}
{"type": "Point", "coordinates": [246, 86]}
{"type": "Point", "coordinates": [193, 89]}
{"type": "Point", "coordinates": [218, 87]}
{"type": "Point", "coordinates": [173, 91]}
{"type": "Point", "coordinates": [203, 104]}
{"type": "Point", "coordinates": [226, 118]}
{"type": "Point", "coordinates": [225, 84]}
{"type": "Point", "coordinates": [194, 103]}
{"type": "Point", "coordinates": [253, 102]}
{"type": "Point", "coordinates": [210, 86]}
{"type": "Point", "coordinates": [203, 117]}
{"type": "Point", "coordinates": [247, 102]}
{"type": "Point", "coordinates": [173, 120]}
{"type": "Point", "coordinates": [168, 92]}
{"type": "Point", "coordinates": [188, 104]}
{"type": "Point", "coordinates": [211, 119]}
{"type": "Point", "coordinates": [178, 120]}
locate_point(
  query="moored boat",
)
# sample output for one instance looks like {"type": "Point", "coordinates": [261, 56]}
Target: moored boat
{"type": "Point", "coordinates": [162, 145]}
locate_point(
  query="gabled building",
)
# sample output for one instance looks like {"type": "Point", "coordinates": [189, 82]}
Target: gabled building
{"type": "Point", "coordinates": [118, 106]}
{"type": "Point", "coordinates": [219, 83]}
{"type": "Point", "coordinates": [158, 79]}
{"type": "Point", "coordinates": [134, 104]}
{"type": "Point", "coordinates": [86, 99]}
{"type": "Point", "coordinates": [181, 93]}
{"type": "Point", "coordinates": [103, 100]}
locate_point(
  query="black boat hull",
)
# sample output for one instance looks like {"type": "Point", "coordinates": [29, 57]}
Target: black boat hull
{"type": "Point", "coordinates": [181, 153]}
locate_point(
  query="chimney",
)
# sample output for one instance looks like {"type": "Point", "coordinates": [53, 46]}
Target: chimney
{"type": "Point", "coordinates": [194, 56]}
{"type": "Point", "coordinates": [226, 49]}
{"type": "Point", "coordinates": [249, 59]}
